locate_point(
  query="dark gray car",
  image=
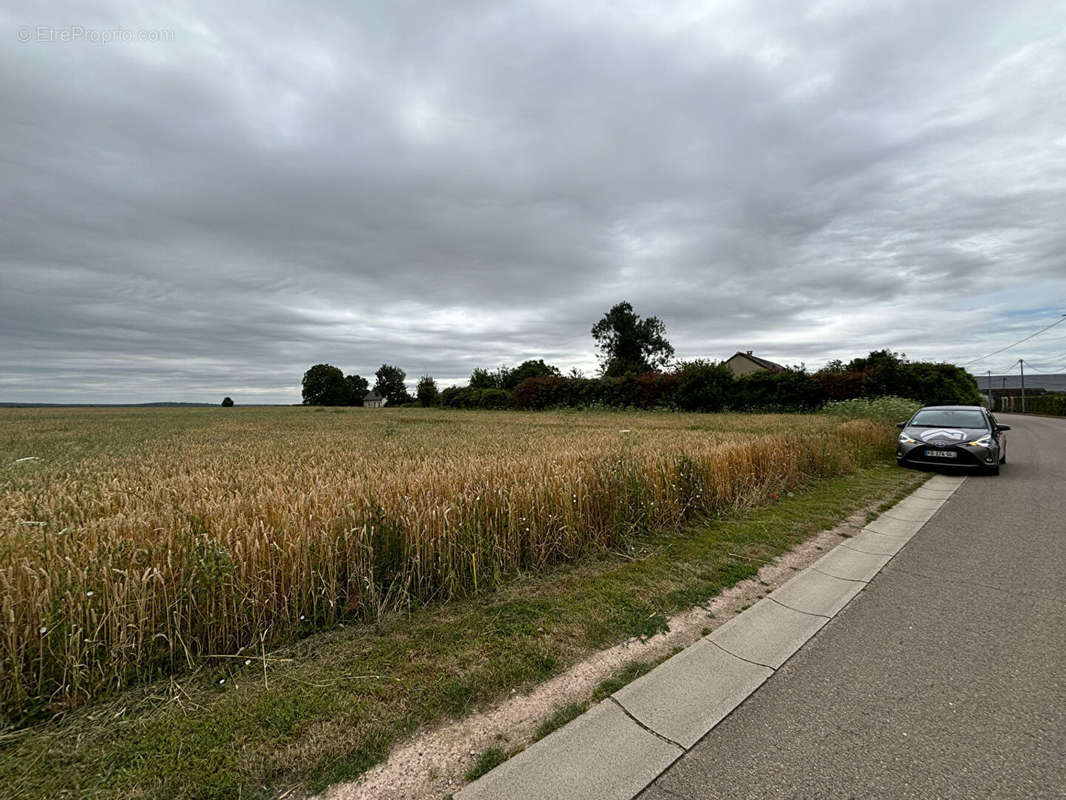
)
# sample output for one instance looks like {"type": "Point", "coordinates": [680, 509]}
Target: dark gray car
{"type": "Point", "coordinates": [955, 436]}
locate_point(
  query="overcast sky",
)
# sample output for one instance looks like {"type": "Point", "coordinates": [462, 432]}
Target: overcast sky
{"type": "Point", "coordinates": [244, 190]}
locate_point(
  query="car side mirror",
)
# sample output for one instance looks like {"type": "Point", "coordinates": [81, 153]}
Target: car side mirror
{"type": "Point", "coordinates": [901, 424]}
{"type": "Point", "coordinates": [1003, 427]}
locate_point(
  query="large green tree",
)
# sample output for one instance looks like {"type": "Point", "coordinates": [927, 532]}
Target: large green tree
{"type": "Point", "coordinates": [427, 392]}
{"type": "Point", "coordinates": [528, 369]}
{"type": "Point", "coordinates": [483, 379]}
{"type": "Point", "coordinates": [357, 389]}
{"type": "Point", "coordinates": [324, 385]}
{"type": "Point", "coordinates": [509, 377]}
{"type": "Point", "coordinates": [390, 384]}
{"type": "Point", "coordinates": [630, 345]}
{"type": "Point", "coordinates": [884, 371]}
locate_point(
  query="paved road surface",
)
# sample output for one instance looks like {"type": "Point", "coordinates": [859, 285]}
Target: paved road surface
{"type": "Point", "coordinates": [946, 677]}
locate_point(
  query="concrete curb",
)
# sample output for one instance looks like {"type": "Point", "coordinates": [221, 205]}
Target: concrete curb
{"type": "Point", "coordinates": [619, 746]}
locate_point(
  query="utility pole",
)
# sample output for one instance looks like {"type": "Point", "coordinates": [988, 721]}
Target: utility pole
{"type": "Point", "coordinates": [990, 402]}
{"type": "Point", "coordinates": [1021, 365]}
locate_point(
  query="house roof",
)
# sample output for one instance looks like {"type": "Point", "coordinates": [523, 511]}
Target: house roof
{"type": "Point", "coordinates": [773, 366]}
{"type": "Point", "coordinates": [372, 395]}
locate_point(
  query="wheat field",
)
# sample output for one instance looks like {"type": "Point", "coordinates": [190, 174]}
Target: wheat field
{"type": "Point", "coordinates": [136, 542]}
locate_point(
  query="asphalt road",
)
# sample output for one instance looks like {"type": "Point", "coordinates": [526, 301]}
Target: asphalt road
{"type": "Point", "coordinates": [945, 677]}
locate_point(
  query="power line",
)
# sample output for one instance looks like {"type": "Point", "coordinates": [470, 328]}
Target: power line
{"type": "Point", "coordinates": [1005, 370]}
{"type": "Point", "coordinates": [1013, 365]}
{"type": "Point", "coordinates": [1045, 371]}
{"type": "Point", "coordinates": [997, 352]}
{"type": "Point", "coordinates": [1054, 360]}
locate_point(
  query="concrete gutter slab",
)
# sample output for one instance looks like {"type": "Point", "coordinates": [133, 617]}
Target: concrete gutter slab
{"type": "Point", "coordinates": [886, 526]}
{"type": "Point", "coordinates": [814, 592]}
{"type": "Point", "coordinates": [601, 755]}
{"type": "Point", "coordinates": [683, 698]}
{"type": "Point", "coordinates": [876, 544]}
{"type": "Point", "coordinates": [933, 493]}
{"type": "Point", "coordinates": [767, 633]}
{"type": "Point", "coordinates": [917, 505]}
{"type": "Point", "coordinates": [851, 565]}
{"type": "Point", "coordinates": [944, 481]}
{"type": "Point", "coordinates": [919, 516]}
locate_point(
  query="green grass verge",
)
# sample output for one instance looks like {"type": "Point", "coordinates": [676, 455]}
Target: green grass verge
{"type": "Point", "coordinates": [560, 717]}
{"type": "Point", "coordinates": [627, 674]}
{"type": "Point", "coordinates": [571, 711]}
{"type": "Point", "coordinates": [492, 757]}
{"type": "Point", "coordinates": [334, 703]}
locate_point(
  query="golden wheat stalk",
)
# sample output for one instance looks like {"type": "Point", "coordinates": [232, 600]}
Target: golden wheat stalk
{"type": "Point", "coordinates": [225, 535]}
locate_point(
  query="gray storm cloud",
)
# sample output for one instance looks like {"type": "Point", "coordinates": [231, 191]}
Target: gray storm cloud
{"type": "Point", "coordinates": [451, 186]}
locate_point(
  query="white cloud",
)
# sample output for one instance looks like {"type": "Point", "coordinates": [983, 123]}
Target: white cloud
{"type": "Point", "coordinates": [461, 185]}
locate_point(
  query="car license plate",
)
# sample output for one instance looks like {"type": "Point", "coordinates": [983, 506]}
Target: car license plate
{"type": "Point", "coordinates": [941, 453]}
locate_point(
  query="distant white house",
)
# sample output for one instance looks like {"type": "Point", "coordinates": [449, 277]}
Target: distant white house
{"type": "Point", "coordinates": [746, 364]}
{"type": "Point", "coordinates": [373, 400]}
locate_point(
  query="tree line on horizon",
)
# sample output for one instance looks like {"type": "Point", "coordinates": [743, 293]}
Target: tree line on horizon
{"type": "Point", "coordinates": [637, 371]}
{"type": "Point", "coordinates": [327, 385]}
{"type": "Point", "coordinates": [628, 345]}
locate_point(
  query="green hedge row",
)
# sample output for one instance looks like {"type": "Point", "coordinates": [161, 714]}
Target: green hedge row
{"type": "Point", "coordinates": [706, 386]}
{"type": "Point", "coordinates": [467, 397]}
{"type": "Point", "coordinates": [931, 384]}
{"type": "Point", "coordinates": [702, 387]}
{"type": "Point", "coordinates": [653, 390]}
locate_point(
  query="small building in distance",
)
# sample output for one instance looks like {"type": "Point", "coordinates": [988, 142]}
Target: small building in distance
{"type": "Point", "coordinates": [373, 400]}
{"type": "Point", "coordinates": [746, 364]}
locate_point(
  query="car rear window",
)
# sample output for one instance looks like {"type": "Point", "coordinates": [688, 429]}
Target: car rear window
{"type": "Point", "coordinates": [950, 418]}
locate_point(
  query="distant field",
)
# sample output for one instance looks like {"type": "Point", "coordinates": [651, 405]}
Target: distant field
{"type": "Point", "coordinates": [134, 542]}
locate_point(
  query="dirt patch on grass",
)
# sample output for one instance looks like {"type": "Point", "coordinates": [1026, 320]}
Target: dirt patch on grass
{"type": "Point", "coordinates": [434, 762]}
